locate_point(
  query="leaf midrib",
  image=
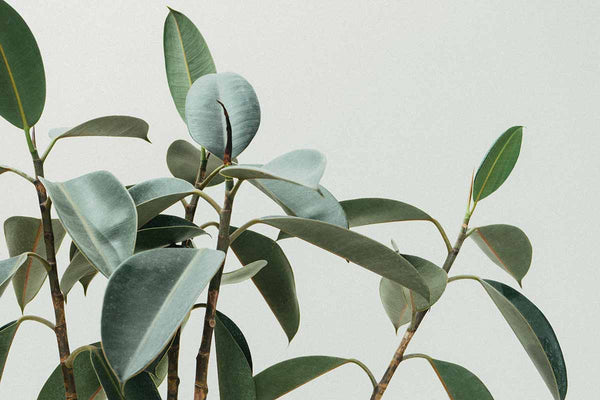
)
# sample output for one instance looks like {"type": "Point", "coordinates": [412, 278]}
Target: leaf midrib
{"type": "Point", "coordinates": [14, 86]}
{"type": "Point", "coordinates": [494, 165]}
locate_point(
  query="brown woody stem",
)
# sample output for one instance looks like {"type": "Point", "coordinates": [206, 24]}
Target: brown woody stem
{"type": "Point", "coordinates": [58, 300]}
{"type": "Point", "coordinates": [408, 335]}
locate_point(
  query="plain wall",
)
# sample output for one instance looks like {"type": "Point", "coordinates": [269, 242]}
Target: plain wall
{"type": "Point", "coordinates": [404, 98]}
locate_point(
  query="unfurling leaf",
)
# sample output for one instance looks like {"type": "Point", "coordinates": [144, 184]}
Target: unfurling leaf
{"type": "Point", "coordinates": [99, 215]}
{"type": "Point", "coordinates": [26, 234]}
{"type": "Point", "coordinates": [204, 114]}
{"type": "Point", "coordinates": [146, 300]}
{"type": "Point", "coordinates": [507, 246]}
{"type": "Point", "coordinates": [187, 56]}
{"type": "Point", "coordinates": [275, 282]}
{"type": "Point", "coordinates": [301, 167]}
{"type": "Point", "coordinates": [184, 161]}
{"type": "Point", "coordinates": [498, 163]}
{"type": "Point", "coordinates": [22, 78]}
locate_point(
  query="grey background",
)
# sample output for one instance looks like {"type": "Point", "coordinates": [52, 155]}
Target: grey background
{"type": "Point", "coordinates": [404, 98]}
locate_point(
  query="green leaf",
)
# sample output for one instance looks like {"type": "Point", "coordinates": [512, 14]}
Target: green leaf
{"type": "Point", "coordinates": [7, 335]}
{"type": "Point", "coordinates": [234, 363]}
{"type": "Point", "coordinates": [507, 246]}
{"type": "Point", "coordinates": [187, 56]}
{"type": "Point", "coordinates": [184, 161]}
{"type": "Point", "coordinates": [275, 283]}
{"type": "Point", "coordinates": [156, 195]}
{"type": "Point", "coordinates": [164, 230]}
{"type": "Point", "coordinates": [204, 115]}
{"type": "Point", "coordinates": [534, 332]}
{"type": "Point", "coordinates": [22, 78]}
{"type": "Point", "coordinates": [459, 383]}
{"type": "Point", "coordinates": [369, 211]}
{"type": "Point", "coordinates": [26, 234]}
{"type": "Point", "coordinates": [396, 298]}
{"type": "Point", "coordinates": [111, 126]}
{"type": "Point", "coordinates": [498, 163]}
{"type": "Point", "coordinates": [8, 268]}
{"type": "Point", "coordinates": [288, 375]}
{"type": "Point", "coordinates": [302, 167]}
{"type": "Point", "coordinates": [86, 381]}
{"type": "Point", "coordinates": [354, 247]}
{"type": "Point", "coordinates": [77, 269]}
{"type": "Point", "coordinates": [99, 215]}
{"type": "Point", "coordinates": [146, 300]}
{"type": "Point", "coordinates": [244, 273]}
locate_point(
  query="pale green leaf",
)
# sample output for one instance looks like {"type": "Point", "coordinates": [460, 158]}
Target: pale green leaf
{"type": "Point", "coordinates": [244, 273]}
{"type": "Point", "coordinates": [369, 211]}
{"type": "Point", "coordinates": [184, 161]}
{"type": "Point", "coordinates": [111, 126]}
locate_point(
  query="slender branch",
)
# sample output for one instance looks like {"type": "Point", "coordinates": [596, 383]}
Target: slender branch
{"type": "Point", "coordinates": [201, 385]}
{"type": "Point", "coordinates": [76, 352]}
{"type": "Point", "coordinates": [210, 223]}
{"type": "Point", "coordinates": [208, 199]}
{"type": "Point", "coordinates": [210, 177]}
{"type": "Point", "coordinates": [408, 335]}
{"type": "Point", "coordinates": [366, 369]}
{"type": "Point", "coordinates": [58, 300]}
{"type": "Point", "coordinates": [443, 233]}
{"type": "Point", "coordinates": [242, 228]}
{"type": "Point", "coordinates": [38, 319]}
{"type": "Point", "coordinates": [22, 174]}
{"type": "Point", "coordinates": [48, 149]}
{"type": "Point", "coordinates": [461, 277]}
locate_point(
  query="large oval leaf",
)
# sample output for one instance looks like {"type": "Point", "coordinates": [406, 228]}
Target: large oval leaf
{"type": "Point", "coordinates": [205, 118]}
{"type": "Point", "coordinates": [498, 163]}
{"type": "Point", "coordinates": [276, 282]}
{"type": "Point", "coordinates": [507, 246]}
{"type": "Point", "coordinates": [282, 378]}
{"type": "Point", "coordinates": [184, 161]}
{"type": "Point", "coordinates": [22, 78]}
{"type": "Point", "coordinates": [26, 234]}
{"type": "Point", "coordinates": [354, 247]}
{"type": "Point", "coordinates": [187, 56]}
{"type": "Point", "coordinates": [146, 300]}
{"type": "Point", "coordinates": [99, 215]}
{"type": "Point", "coordinates": [302, 167]}
{"type": "Point", "coordinates": [234, 363]}
{"type": "Point", "coordinates": [369, 211]}
{"type": "Point", "coordinates": [534, 332]}
{"type": "Point", "coordinates": [459, 382]}
{"type": "Point", "coordinates": [156, 195]}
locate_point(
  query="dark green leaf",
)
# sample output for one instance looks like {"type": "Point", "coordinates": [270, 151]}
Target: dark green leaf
{"type": "Point", "coordinates": [234, 362]}
{"type": "Point", "coordinates": [22, 78]}
{"type": "Point", "coordinates": [99, 215]}
{"type": "Point", "coordinates": [301, 167]}
{"type": "Point", "coordinates": [26, 234]}
{"type": "Point", "coordinates": [164, 230]}
{"type": "Point", "coordinates": [187, 56]}
{"type": "Point", "coordinates": [275, 282]}
{"type": "Point", "coordinates": [286, 376]}
{"type": "Point", "coordinates": [147, 299]}
{"type": "Point", "coordinates": [354, 247]}
{"type": "Point", "coordinates": [184, 161]}
{"type": "Point", "coordinates": [498, 163]}
{"type": "Point", "coordinates": [204, 115]}
{"type": "Point", "coordinates": [507, 246]}
{"type": "Point", "coordinates": [156, 195]}
{"type": "Point", "coordinates": [534, 332]}
{"type": "Point", "coordinates": [369, 211]}
{"type": "Point", "coordinates": [7, 335]}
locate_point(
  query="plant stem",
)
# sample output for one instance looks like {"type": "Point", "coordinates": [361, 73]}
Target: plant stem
{"type": "Point", "coordinates": [408, 335]}
{"type": "Point", "coordinates": [173, 352]}
{"type": "Point", "coordinates": [201, 385]}
{"type": "Point", "coordinates": [58, 300]}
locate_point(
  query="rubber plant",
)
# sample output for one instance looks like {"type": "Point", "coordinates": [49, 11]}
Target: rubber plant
{"type": "Point", "coordinates": [156, 275]}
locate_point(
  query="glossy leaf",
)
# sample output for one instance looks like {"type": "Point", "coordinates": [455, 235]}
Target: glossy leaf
{"type": "Point", "coordinates": [244, 273]}
{"type": "Point", "coordinates": [146, 300]}
{"type": "Point", "coordinates": [26, 234]}
{"type": "Point", "coordinates": [396, 298]}
{"type": "Point", "coordinates": [187, 56]}
{"type": "Point", "coordinates": [86, 381]}
{"type": "Point", "coordinates": [205, 118]}
{"type": "Point", "coordinates": [301, 167]}
{"type": "Point", "coordinates": [22, 78]}
{"type": "Point", "coordinates": [276, 282]}
{"type": "Point", "coordinates": [354, 247]}
{"type": "Point", "coordinates": [164, 230]}
{"type": "Point", "coordinates": [507, 246]}
{"type": "Point", "coordinates": [534, 332]}
{"type": "Point", "coordinates": [498, 163]}
{"type": "Point", "coordinates": [369, 211]}
{"type": "Point", "coordinates": [99, 215]}
{"type": "Point", "coordinates": [459, 383]}
{"type": "Point", "coordinates": [8, 268]}
{"type": "Point", "coordinates": [234, 363]}
{"type": "Point", "coordinates": [156, 195]}
{"type": "Point", "coordinates": [282, 378]}
{"type": "Point", "coordinates": [184, 161]}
